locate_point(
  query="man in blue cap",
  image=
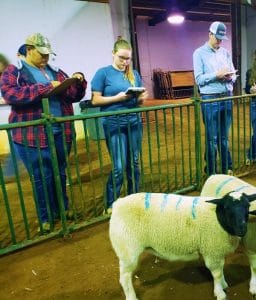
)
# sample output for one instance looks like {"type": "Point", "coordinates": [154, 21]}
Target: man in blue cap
{"type": "Point", "coordinates": [215, 75]}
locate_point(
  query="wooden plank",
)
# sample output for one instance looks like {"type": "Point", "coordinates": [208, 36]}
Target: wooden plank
{"type": "Point", "coordinates": [182, 78]}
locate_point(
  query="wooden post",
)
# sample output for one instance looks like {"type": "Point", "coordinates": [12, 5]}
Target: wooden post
{"type": "Point", "coordinates": [236, 41]}
{"type": "Point", "coordinates": [134, 42]}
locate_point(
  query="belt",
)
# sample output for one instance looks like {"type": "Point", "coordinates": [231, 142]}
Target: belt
{"type": "Point", "coordinates": [218, 95]}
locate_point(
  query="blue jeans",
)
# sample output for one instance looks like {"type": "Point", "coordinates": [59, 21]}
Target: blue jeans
{"type": "Point", "coordinates": [217, 118]}
{"type": "Point", "coordinates": [251, 153]}
{"type": "Point", "coordinates": [31, 159]}
{"type": "Point", "coordinates": [8, 165]}
{"type": "Point", "coordinates": [124, 146]}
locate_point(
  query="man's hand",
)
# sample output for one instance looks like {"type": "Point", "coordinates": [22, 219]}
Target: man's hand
{"type": "Point", "coordinates": [253, 89]}
{"type": "Point", "coordinates": [2, 101]}
{"type": "Point", "coordinates": [223, 74]}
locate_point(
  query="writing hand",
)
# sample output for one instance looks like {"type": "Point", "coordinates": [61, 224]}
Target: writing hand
{"type": "Point", "coordinates": [223, 73]}
{"type": "Point", "coordinates": [122, 96]}
{"type": "Point", "coordinates": [142, 97]}
{"type": "Point", "coordinates": [55, 83]}
{"type": "Point", "coordinates": [79, 76]}
{"type": "Point", "coordinates": [228, 77]}
{"type": "Point", "coordinates": [2, 101]}
{"type": "Point", "coordinates": [253, 89]}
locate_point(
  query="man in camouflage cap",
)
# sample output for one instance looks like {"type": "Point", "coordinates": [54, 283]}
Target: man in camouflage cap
{"type": "Point", "coordinates": [40, 42]}
{"type": "Point", "coordinates": [23, 88]}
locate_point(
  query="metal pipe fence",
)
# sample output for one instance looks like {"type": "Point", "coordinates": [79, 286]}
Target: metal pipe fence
{"type": "Point", "coordinates": [171, 160]}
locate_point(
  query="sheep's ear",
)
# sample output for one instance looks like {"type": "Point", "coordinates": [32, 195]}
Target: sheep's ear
{"type": "Point", "coordinates": [253, 212]}
{"type": "Point", "coordinates": [250, 197]}
{"type": "Point", "coordinates": [213, 201]}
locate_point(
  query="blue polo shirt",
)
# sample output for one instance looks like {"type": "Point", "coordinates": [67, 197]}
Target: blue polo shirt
{"type": "Point", "coordinates": [207, 62]}
{"type": "Point", "coordinates": [110, 81]}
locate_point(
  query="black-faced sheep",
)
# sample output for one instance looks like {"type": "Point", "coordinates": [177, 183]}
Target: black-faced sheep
{"type": "Point", "coordinates": [219, 185]}
{"type": "Point", "coordinates": [176, 228]}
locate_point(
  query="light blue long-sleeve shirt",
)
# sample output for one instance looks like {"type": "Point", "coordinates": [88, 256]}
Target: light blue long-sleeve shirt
{"type": "Point", "coordinates": [207, 62]}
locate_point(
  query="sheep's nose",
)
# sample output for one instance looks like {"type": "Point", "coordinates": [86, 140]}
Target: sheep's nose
{"type": "Point", "coordinates": [242, 230]}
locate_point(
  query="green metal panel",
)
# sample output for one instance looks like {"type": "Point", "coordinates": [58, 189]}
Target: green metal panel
{"type": "Point", "coordinates": [171, 162]}
{"type": "Point", "coordinates": [94, 125]}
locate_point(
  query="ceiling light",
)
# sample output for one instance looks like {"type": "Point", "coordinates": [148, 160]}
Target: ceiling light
{"type": "Point", "coordinates": [175, 17]}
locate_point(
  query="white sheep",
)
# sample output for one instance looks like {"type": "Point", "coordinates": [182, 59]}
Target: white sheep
{"type": "Point", "coordinates": [176, 228]}
{"type": "Point", "coordinates": [219, 185]}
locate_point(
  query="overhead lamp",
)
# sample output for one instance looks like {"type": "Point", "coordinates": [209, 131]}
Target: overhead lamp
{"type": "Point", "coordinates": [176, 17]}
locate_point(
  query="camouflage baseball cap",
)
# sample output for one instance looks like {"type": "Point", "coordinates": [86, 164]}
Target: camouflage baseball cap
{"type": "Point", "coordinates": [40, 42]}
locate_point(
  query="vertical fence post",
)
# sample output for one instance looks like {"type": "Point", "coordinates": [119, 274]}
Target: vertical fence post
{"type": "Point", "coordinates": [48, 118]}
{"type": "Point", "coordinates": [198, 143]}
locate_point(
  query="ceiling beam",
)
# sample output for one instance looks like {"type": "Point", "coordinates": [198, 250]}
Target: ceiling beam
{"type": "Point", "coordinates": [157, 19]}
{"type": "Point", "coordinates": [97, 1]}
{"type": "Point", "coordinates": [196, 10]}
{"type": "Point", "coordinates": [208, 17]}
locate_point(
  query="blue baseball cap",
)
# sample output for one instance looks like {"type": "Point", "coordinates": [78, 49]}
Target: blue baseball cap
{"type": "Point", "coordinates": [219, 29]}
{"type": "Point", "coordinates": [22, 50]}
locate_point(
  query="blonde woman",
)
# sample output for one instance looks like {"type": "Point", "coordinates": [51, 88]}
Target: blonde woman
{"type": "Point", "coordinates": [123, 132]}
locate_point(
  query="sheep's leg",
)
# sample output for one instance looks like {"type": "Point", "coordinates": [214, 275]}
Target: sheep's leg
{"type": "Point", "coordinates": [216, 268]}
{"type": "Point", "coordinates": [126, 270]}
{"type": "Point", "coordinates": [128, 249]}
{"type": "Point", "coordinates": [252, 259]}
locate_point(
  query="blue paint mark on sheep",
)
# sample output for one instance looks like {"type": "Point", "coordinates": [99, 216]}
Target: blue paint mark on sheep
{"type": "Point", "coordinates": [164, 203]}
{"type": "Point", "coordinates": [147, 200]}
{"type": "Point", "coordinates": [241, 188]}
{"type": "Point", "coordinates": [178, 203]}
{"type": "Point", "coordinates": [218, 189]}
{"type": "Point", "coordinates": [194, 204]}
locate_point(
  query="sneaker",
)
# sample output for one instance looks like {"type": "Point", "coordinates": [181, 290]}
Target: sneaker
{"type": "Point", "coordinates": [69, 215]}
{"type": "Point", "coordinates": [46, 227]}
{"type": "Point", "coordinates": [230, 172]}
{"type": "Point", "coordinates": [248, 162]}
{"type": "Point", "coordinates": [107, 211]}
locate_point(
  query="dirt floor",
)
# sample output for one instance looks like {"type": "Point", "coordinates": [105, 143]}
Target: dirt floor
{"type": "Point", "coordinates": [84, 266]}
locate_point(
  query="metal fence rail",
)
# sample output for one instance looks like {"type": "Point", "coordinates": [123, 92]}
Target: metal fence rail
{"type": "Point", "coordinates": [171, 160]}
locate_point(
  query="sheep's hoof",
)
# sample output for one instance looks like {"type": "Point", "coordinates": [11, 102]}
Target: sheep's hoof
{"type": "Point", "coordinates": [253, 291]}
{"type": "Point", "coordinates": [252, 286]}
{"type": "Point", "coordinates": [221, 296]}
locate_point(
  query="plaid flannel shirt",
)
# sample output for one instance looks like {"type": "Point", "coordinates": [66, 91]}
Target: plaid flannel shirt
{"type": "Point", "coordinates": [24, 94]}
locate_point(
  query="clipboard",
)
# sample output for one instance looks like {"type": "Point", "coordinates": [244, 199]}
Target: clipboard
{"type": "Point", "coordinates": [135, 91]}
{"type": "Point", "coordinates": [62, 87]}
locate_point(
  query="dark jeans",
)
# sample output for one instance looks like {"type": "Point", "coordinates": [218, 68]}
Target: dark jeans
{"type": "Point", "coordinates": [31, 159]}
{"type": "Point", "coordinates": [217, 117]}
{"type": "Point", "coordinates": [124, 145]}
{"type": "Point", "coordinates": [251, 153]}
